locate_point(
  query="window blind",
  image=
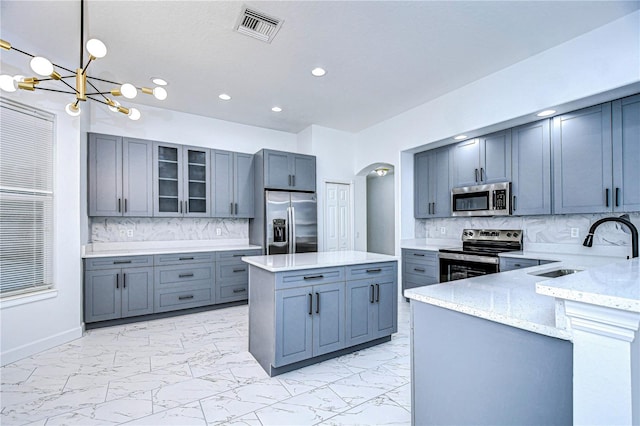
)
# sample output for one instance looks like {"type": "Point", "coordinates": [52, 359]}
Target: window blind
{"type": "Point", "coordinates": [26, 199]}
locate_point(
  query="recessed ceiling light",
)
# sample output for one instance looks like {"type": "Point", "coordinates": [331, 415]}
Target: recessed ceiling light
{"type": "Point", "coordinates": [159, 81]}
{"type": "Point", "coordinates": [224, 97]}
{"type": "Point", "coordinates": [460, 137]}
{"type": "Point", "coordinates": [546, 112]}
{"type": "Point", "coordinates": [318, 72]}
{"type": "Point", "coordinates": [276, 109]}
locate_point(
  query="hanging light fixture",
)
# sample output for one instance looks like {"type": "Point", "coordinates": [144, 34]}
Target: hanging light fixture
{"type": "Point", "coordinates": [46, 71]}
{"type": "Point", "coordinates": [381, 171]}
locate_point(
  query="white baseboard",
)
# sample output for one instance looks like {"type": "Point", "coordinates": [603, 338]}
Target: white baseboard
{"type": "Point", "coordinates": [32, 348]}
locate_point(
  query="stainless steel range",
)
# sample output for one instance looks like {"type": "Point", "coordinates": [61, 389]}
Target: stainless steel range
{"type": "Point", "coordinates": [479, 253]}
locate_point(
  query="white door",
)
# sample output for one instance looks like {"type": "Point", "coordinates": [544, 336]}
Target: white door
{"type": "Point", "coordinates": [338, 217]}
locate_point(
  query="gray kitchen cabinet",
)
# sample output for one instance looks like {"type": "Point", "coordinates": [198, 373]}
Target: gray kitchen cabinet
{"type": "Point", "coordinates": [119, 176]}
{"type": "Point", "coordinates": [371, 303]}
{"type": "Point", "coordinates": [432, 191]}
{"type": "Point", "coordinates": [419, 268]}
{"type": "Point", "coordinates": [531, 165]}
{"type": "Point", "coordinates": [309, 322]}
{"type": "Point", "coordinates": [184, 280]}
{"type": "Point", "coordinates": [232, 276]}
{"type": "Point", "coordinates": [289, 171]}
{"type": "Point", "coordinates": [511, 263]}
{"type": "Point", "coordinates": [625, 116]}
{"type": "Point", "coordinates": [113, 291]}
{"type": "Point", "coordinates": [582, 157]}
{"type": "Point", "coordinates": [233, 184]}
{"type": "Point", "coordinates": [182, 180]}
{"type": "Point", "coordinates": [486, 159]}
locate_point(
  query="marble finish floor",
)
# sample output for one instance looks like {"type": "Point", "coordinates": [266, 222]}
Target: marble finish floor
{"type": "Point", "coordinates": [195, 370]}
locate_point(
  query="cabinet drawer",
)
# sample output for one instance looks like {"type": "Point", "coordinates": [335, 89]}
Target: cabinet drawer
{"type": "Point", "coordinates": [233, 292]}
{"type": "Point", "coordinates": [182, 298]}
{"type": "Point", "coordinates": [308, 277]}
{"type": "Point", "coordinates": [370, 270]}
{"type": "Point", "coordinates": [420, 256]}
{"type": "Point", "coordinates": [420, 269]}
{"type": "Point", "coordinates": [237, 254]}
{"type": "Point", "coordinates": [231, 272]}
{"type": "Point", "coordinates": [509, 264]}
{"type": "Point", "coordinates": [170, 275]}
{"type": "Point", "coordinates": [183, 258]}
{"type": "Point", "coordinates": [117, 262]}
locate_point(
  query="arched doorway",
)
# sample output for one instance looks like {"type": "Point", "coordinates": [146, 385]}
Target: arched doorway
{"type": "Point", "coordinates": [380, 208]}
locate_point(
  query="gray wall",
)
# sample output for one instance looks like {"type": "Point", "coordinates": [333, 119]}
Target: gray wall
{"type": "Point", "coordinates": [380, 214]}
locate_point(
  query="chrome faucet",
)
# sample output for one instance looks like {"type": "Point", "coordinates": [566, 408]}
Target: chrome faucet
{"type": "Point", "coordinates": [588, 242]}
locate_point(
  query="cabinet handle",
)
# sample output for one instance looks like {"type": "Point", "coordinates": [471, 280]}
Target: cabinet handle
{"type": "Point", "coordinates": [185, 297]}
{"type": "Point", "coordinates": [419, 269]}
{"type": "Point", "coordinates": [515, 205]}
{"type": "Point", "coordinates": [185, 258]}
{"type": "Point", "coordinates": [310, 304]}
{"type": "Point", "coordinates": [617, 197]}
{"type": "Point", "coordinates": [371, 271]}
{"type": "Point", "coordinates": [125, 205]}
{"type": "Point", "coordinates": [124, 280]}
{"type": "Point", "coordinates": [482, 174]}
{"type": "Point", "coordinates": [313, 277]}
{"type": "Point", "coordinates": [517, 265]}
{"type": "Point", "coordinates": [317, 303]}
{"type": "Point", "coordinates": [476, 174]}
{"type": "Point", "coordinates": [230, 208]}
{"type": "Point", "coordinates": [236, 208]}
{"type": "Point", "coordinates": [418, 254]}
{"type": "Point", "coordinates": [289, 180]}
{"type": "Point", "coordinates": [180, 203]}
{"type": "Point", "coordinates": [117, 280]}
{"type": "Point", "coordinates": [238, 255]}
{"type": "Point", "coordinates": [239, 270]}
{"type": "Point", "coordinates": [293, 179]}
{"type": "Point", "coordinates": [371, 293]}
{"type": "Point", "coordinates": [186, 206]}
{"type": "Point", "coordinates": [119, 205]}
{"type": "Point", "coordinates": [239, 290]}
{"type": "Point", "coordinates": [185, 275]}
{"type": "Point", "coordinates": [119, 262]}
{"type": "Point", "coordinates": [378, 292]}
{"type": "Point", "coordinates": [433, 208]}
{"type": "Point", "coordinates": [606, 197]}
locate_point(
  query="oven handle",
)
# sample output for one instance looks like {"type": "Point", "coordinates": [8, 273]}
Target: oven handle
{"type": "Point", "coordinates": [470, 258]}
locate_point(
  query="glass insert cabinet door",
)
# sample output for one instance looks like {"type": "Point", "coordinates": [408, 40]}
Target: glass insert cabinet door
{"type": "Point", "coordinates": [197, 182]}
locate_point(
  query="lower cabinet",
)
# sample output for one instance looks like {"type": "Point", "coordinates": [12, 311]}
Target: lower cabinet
{"type": "Point", "coordinates": [371, 309]}
{"type": "Point", "coordinates": [232, 275]}
{"type": "Point", "coordinates": [419, 268]}
{"type": "Point", "coordinates": [511, 263]}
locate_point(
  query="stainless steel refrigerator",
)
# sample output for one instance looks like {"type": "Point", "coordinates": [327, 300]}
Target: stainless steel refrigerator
{"type": "Point", "coordinates": [291, 222]}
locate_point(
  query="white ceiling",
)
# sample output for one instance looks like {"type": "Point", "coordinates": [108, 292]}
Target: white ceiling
{"type": "Point", "coordinates": [382, 57]}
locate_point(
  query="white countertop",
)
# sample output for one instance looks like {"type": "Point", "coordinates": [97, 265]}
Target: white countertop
{"type": "Point", "coordinates": [327, 259]}
{"type": "Point", "coordinates": [142, 248]}
{"type": "Point", "coordinates": [511, 297]}
{"type": "Point", "coordinates": [431, 244]}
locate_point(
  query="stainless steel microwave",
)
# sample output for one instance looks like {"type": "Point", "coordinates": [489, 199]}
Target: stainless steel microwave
{"type": "Point", "coordinates": [492, 199]}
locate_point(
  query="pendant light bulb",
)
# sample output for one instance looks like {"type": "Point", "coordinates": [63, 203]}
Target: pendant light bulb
{"type": "Point", "coordinates": [128, 90]}
{"type": "Point", "coordinates": [7, 83]}
{"type": "Point", "coordinates": [96, 48]}
{"type": "Point", "coordinates": [134, 114]}
{"type": "Point", "coordinates": [160, 93]}
{"type": "Point", "coordinates": [113, 105]}
{"type": "Point", "coordinates": [73, 110]}
{"type": "Point", "coordinates": [41, 66]}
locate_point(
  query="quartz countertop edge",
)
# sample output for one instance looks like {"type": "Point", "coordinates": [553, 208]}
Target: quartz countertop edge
{"type": "Point", "coordinates": [429, 245]}
{"type": "Point", "coordinates": [165, 250]}
{"type": "Point", "coordinates": [301, 261]}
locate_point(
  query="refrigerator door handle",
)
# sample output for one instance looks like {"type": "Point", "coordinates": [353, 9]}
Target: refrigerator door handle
{"type": "Point", "coordinates": [288, 230]}
{"type": "Point", "coordinates": [292, 224]}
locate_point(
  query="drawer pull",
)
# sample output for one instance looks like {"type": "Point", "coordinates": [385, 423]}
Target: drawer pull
{"type": "Point", "coordinates": [314, 277]}
{"type": "Point", "coordinates": [185, 275]}
{"type": "Point", "coordinates": [240, 270]}
{"type": "Point", "coordinates": [186, 258]}
{"type": "Point", "coordinates": [120, 262]}
{"type": "Point", "coordinates": [517, 264]}
{"type": "Point", "coordinates": [418, 254]}
{"type": "Point", "coordinates": [185, 297]}
{"type": "Point", "coordinates": [240, 290]}
{"type": "Point", "coordinates": [371, 271]}
{"type": "Point", "coordinates": [419, 269]}
{"type": "Point", "coordinates": [238, 255]}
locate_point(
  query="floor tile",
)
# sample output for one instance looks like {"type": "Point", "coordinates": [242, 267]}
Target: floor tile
{"type": "Point", "coordinates": [186, 415]}
{"type": "Point", "coordinates": [287, 414]}
{"type": "Point", "coordinates": [378, 411]}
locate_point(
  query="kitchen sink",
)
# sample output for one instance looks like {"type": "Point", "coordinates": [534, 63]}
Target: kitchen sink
{"type": "Point", "coordinates": [556, 273]}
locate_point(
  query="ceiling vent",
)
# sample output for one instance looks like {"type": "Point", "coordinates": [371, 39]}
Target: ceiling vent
{"type": "Point", "coordinates": [257, 24]}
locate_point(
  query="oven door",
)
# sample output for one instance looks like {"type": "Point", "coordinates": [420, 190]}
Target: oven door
{"type": "Point", "coordinates": [460, 266]}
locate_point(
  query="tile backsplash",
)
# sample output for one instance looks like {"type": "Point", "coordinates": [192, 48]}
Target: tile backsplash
{"type": "Point", "coordinates": [127, 229]}
{"type": "Point", "coordinates": [554, 229]}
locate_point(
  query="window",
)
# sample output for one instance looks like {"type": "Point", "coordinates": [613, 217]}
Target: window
{"type": "Point", "coordinates": [26, 199]}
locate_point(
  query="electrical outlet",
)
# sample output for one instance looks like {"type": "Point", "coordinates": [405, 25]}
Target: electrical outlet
{"type": "Point", "coordinates": [443, 230]}
{"type": "Point", "coordinates": [129, 233]}
{"type": "Point", "coordinates": [123, 232]}
{"type": "Point", "coordinates": [575, 233]}
{"type": "Point", "coordinates": [218, 231]}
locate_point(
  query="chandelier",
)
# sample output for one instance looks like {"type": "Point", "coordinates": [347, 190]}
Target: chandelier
{"type": "Point", "coordinates": [85, 85]}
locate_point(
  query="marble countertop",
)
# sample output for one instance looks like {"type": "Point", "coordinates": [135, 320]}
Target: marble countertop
{"type": "Point", "coordinates": [298, 261]}
{"type": "Point", "coordinates": [430, 244]}
{"type": "Point", "coordinates": [142, 248]}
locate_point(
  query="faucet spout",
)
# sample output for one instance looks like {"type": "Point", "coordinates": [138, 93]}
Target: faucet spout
{"type": "Point", "coordinates": [588, 241]}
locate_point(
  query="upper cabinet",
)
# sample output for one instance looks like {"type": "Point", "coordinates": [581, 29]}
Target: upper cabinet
{"type": "Point", "coordinates": [233, 184]}
{"type": "Point", "coordinates": [626, 154]}
{"type": "Point", "coordinates": [182, 183]}
{"type": "Point", "coordinates": [531, 164]}
{"type": "Point", "coordinates": [119, 176]}
{"type": "Point", "coordinates": [289, 171]}
{"type": "Point", "coordinates": [482, 160]}
{"type": "Point", "coordinates": [431, 184]}
{"type": "Point", "coordinates": [582, 152]}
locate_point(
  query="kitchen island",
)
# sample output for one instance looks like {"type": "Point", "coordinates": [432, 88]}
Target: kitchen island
{"type": "Point", "coordinates": [522, 348]}
{"type": "Point", "coordinates": [308, 307]}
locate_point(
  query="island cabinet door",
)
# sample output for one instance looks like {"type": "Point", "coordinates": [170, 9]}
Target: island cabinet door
{"type": "Point", "coordinates": [359, 321]}
{"type": "Point", "coordinates": [385, 317]}
{"type": "Point", "coordinates": [328, 318]}
{"type": "Point", "coordinates": [294, 320]}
